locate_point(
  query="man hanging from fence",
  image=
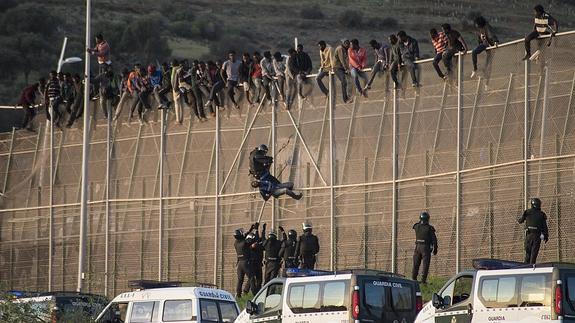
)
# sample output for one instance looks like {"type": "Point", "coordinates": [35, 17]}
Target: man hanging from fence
{"type": "Point", "coordinates": [269, 186]}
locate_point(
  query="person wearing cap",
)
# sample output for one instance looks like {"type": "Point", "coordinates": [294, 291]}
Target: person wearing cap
{"type": "Point", "coordinates": [381, 53]}
{"type": "Point", "coordinates": [307, 247]}
{"type": "Point", "coordinates": [425, 244]}
{"type": "Point", "coordinates": [102, 52]}
{"type": "Point", "coordinates": [272, 259]}
{"type": "Point", "coordinates": [536, 229]}
{"type": "Point", "coordinates": [341, 67]}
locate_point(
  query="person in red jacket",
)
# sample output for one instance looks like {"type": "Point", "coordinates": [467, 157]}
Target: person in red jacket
{"type": "Point", "coordinates": [27, 99]}
{"type": "Point", "coordinates": [357, 62]}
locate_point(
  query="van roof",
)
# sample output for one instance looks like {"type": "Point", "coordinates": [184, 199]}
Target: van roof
{"type": "Point", "coordinates": [175, 293]}
{"type": "Point", "coordinates": [497, 264]}
{"type": "Point", "coordinates": [294, 272]}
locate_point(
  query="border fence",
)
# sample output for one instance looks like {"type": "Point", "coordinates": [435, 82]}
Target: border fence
{"type": "Point", "coordinates": [470, 151]}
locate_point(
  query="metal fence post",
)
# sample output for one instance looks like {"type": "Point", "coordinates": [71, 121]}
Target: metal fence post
{"type": "Point", "coordinates": [107, 215]}
{"type": "Point", "coordinates": [273, 168]}
{"type": "Point", "coordinates": [161, 201]}
{"type": "Point", "coordinates": [458, 174]}
{"type": "Point", "coordinates": [526, 136]}
{"type": "Point", "coordinates": [332, 223]}
{"type": "Point", "coordinates": [394, 184]}
{"type": "Point", "coordinates": [217, 198]}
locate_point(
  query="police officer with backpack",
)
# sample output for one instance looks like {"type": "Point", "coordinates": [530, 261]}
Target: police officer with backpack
{"type": "Point", "coordinates": [288, 249]}
{"type": "Point", "coordinates": [307, 247]}
{"type": "Point", "coordinates": [535, 230]}
{"type": "Point", "coordinates": [425, 244]}
{"type": "Point", "coordinates": [273, 262]}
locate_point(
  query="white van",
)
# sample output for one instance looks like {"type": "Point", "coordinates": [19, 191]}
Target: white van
{"type": "Point", "coordinates": [171, 304]}
{"type": "Point", "coordinates": [335, 297]}
{"type": "Point", "coordinates": [502, 291]}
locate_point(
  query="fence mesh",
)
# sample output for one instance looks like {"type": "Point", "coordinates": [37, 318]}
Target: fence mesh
{"type": "Point", "coordinates": [492, 175]}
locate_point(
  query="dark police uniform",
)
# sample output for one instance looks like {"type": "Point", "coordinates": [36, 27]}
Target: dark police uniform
{"type": "Point", "coordinates": [243, 265]}
{"type": "Point", "coordinates": [306, 249]}
{"type": "Point", "coordinates": [256, 263]}
{"type": "Point", "coordinates": [425, 242]}
{"type": "Point", "coordinates": [288, 252]}
{"type": "Point", "coordinates": [259, 163]}
{"type": "Point", "coordinates": [535, 226]}
{"type": "Point", "coordinates": [272, 249]}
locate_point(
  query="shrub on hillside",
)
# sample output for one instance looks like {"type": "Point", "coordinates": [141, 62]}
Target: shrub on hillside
{"type": "Point", "coordinates": [379, 23]}
{"type": "Point", "coordinates": [313, 12]}
{"type": "Point", "coordinates": [350, 19]}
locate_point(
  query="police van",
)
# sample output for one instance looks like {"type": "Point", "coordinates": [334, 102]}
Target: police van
{"type": "Point", "coordinates": [169, 302]}
{"type": "Point", "coordinates": [335, 297]}
{"type": "Point", "coordinates": [504, 291]}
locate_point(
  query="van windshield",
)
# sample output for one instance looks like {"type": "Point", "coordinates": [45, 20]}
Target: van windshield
{"type": "Point", "coordinates": [386, 296]}
{"type": "Point", "coordinates": [73, 307]}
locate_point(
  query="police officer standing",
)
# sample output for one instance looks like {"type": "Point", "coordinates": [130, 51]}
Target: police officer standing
{"type": "Point", "coordinates": [535, 230]}
{"type": "Point", "coordinates": [243, 253]}
{"type": "Point", "coordinates": [307, 247]}
{"type": "Point", "coordinates": [273, 262]}
{"type": "Point", "coordinates": [256, 259]}
{"type": "Point", "coordinates": [425, 244]}
{"type": "Point", "coordinates": [288, 249]}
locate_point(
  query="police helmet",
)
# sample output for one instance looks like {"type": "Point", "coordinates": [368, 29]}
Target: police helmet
{"type": "Point", "coordinates": [250, 238]}
{"type": "Point", "coordinates": [306, 226]}
{"type": "Point", "coordinates": [292, 234]}
{"type": "Point", "coordinates": [263, 148]}
{"type": "Point", "coordinates": [272, 235]}
{"type": "Point", "coordinates": [238, 234]}
{"type": "Point", "coordinates": [424, 217]}
{"type": "Point", "coordinates": [536, 203]}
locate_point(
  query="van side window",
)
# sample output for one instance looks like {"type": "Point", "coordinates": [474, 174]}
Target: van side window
{"type": "Point", "coordinates": [535, 291]}
{"type": "Point", "coordinates": [334, 296]}
{"type": "Point", "coordinates": [401, 298]}
{"type": "Point", "coordinates": [458, 291]}
{"type": "Point", "coordinates": [304, 298]}
{"type": "Point", "coordinates": [515, 291]}
{"type": "Point", "coordinates": [209, 311]}
{"type": "Point", "coordinates": [229, 311]}
{"type": "Point", "coordinates": [498, 292]}
{"type": "Point", "coordinates": [142, 312]}
{"type": "Point", "coordinates": [313, 297]}
{"type": "Point", "coordinates": [178, 310]}
{"type": "Point", "coordinates": [270, 298]}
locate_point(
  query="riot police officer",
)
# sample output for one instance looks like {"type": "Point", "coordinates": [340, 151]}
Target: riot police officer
{"type": "Point", "coordinates": [256, 259]}
{"type": "Point", "coordinates": [535, 230]}
{"type": "Point", "coordinates": [260, 163]}
{"type": "Point", "coordinates": [243, 253]}
{"type": "Point", "coordinates": [273, 263]}
{"type": "Point", "coordinates": [307, 247]}
{"type": "Point", "coordinates": [288, 249]}
{"type": "Point", "coordinates": [425, 244]}
{"type": "Point", "coordinates": [268, 185]}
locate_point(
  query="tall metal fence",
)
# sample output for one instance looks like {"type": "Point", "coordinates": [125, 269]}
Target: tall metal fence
{"type": "Point", "coordinates": [471, 151]}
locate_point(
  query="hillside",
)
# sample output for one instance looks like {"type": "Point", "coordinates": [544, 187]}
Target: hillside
{"type": "Point", "coordinates": [149, 31]}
